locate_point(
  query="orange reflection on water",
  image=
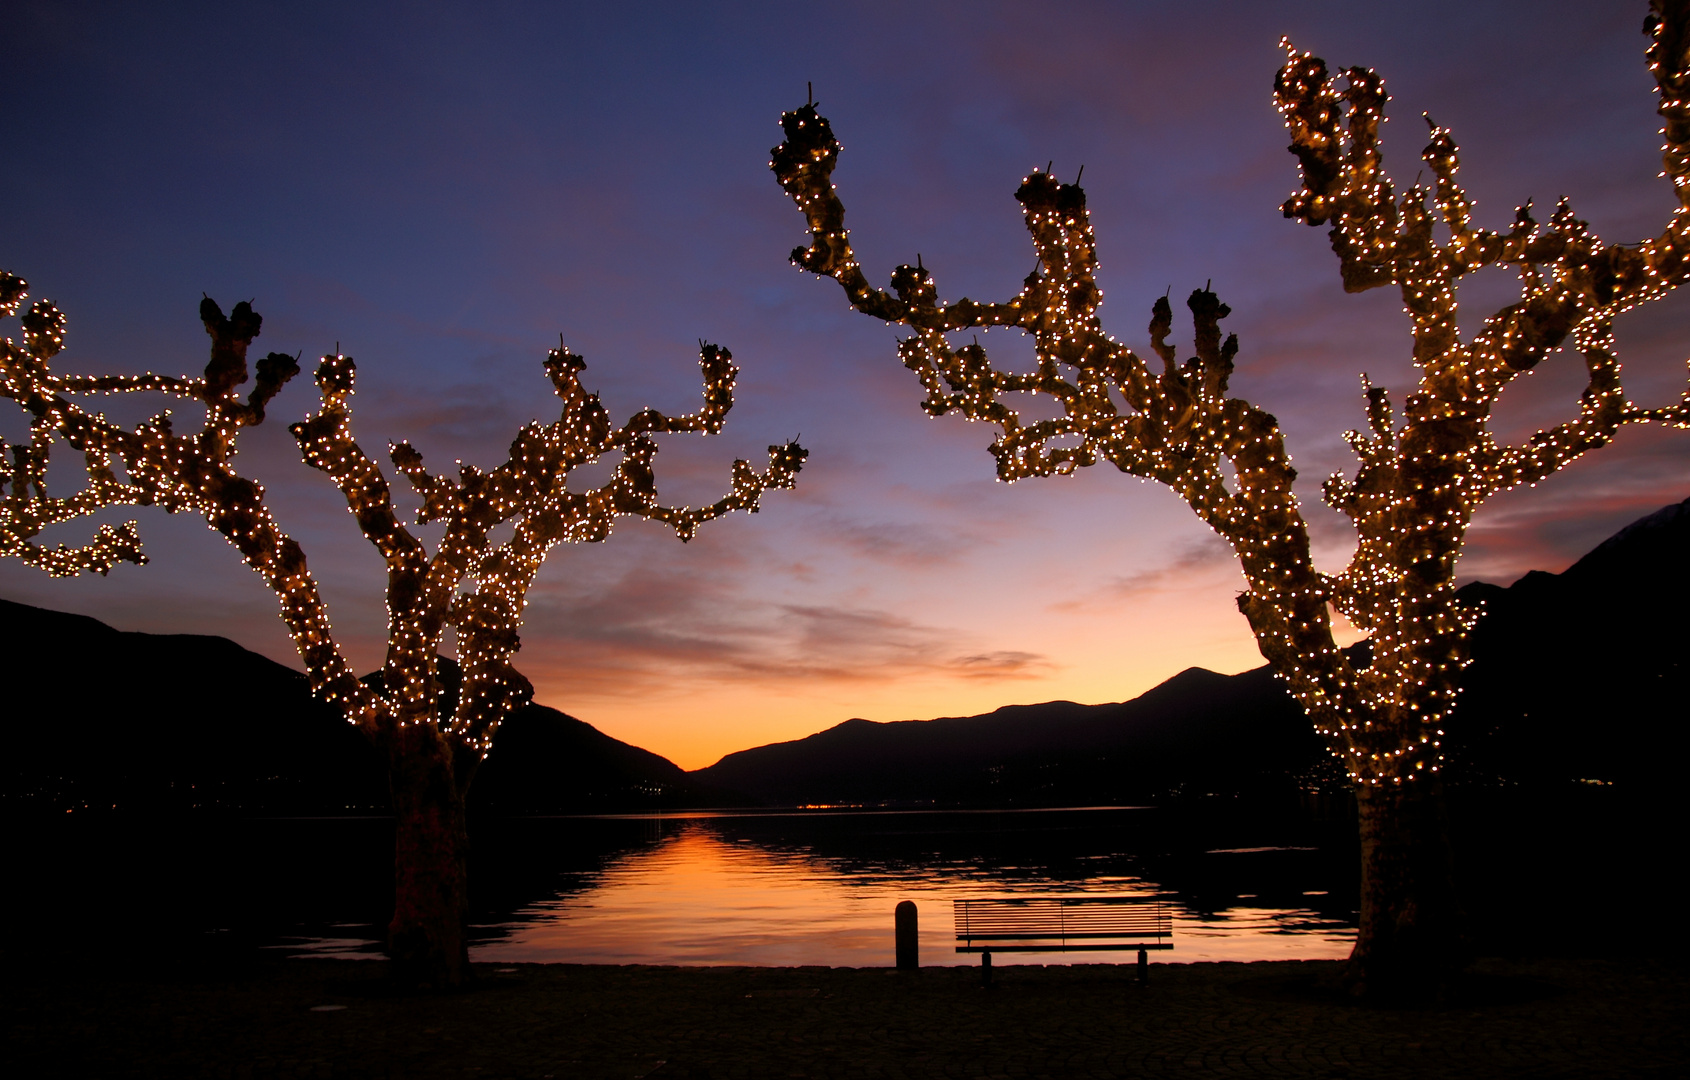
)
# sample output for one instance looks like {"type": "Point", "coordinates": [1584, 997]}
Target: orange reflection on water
{"type": "Point", "coordinates": [695, 898]}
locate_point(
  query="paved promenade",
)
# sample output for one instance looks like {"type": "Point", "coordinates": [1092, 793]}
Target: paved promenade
{"type": "Point", "coordinates": [322, 1018]}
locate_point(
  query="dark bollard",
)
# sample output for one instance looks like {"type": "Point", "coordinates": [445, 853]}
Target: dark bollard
{"type": "Point", "coordinates": [986, 968]}
{"type": "Point", "coordinates": [1143, 965]}
{"type": "Point", "coordinates": [903, 922]}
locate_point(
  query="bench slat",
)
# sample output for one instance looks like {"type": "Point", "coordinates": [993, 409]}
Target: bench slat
{"type": "Point", "coordinates": [1071, 920]}
{"type": "Point", "coordinates": [1130, 947]}
{"type": "Point", "coordinates": [1024, 937]}
{"type": "Point", "coordinates": [1030, 919]}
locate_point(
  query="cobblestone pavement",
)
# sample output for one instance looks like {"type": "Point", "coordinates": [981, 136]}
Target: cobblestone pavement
{"type": "Point", "coordinates": [1541, 1019]}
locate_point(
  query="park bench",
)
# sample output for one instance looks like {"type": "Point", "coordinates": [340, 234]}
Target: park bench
{"type": "Point", "coordinates": [1062, 924]}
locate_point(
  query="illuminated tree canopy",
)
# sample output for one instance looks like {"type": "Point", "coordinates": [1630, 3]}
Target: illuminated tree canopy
{"type": "Point", "coordinates": [1419, 480]}
{"type": "Point", "coordinates": [1421, 475]}
{"type": "Point", "coordinates": [469, 585]}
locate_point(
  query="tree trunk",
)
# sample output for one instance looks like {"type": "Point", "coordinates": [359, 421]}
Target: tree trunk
{"type": "Point", "coordinates": [1413, 940]}
{"type": "Point", "coordinates": [426, 939]}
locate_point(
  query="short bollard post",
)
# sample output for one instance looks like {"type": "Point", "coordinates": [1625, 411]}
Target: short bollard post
{"type": "Point", "coordinates": [904, 926]}
{"type": "Point", "coordinates": [986, 967]}
{"type": "Point", "coordinates": [1143, 965]}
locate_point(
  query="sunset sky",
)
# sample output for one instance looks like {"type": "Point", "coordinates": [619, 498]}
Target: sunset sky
{"type": "Point", "coordinates": [444, 189]}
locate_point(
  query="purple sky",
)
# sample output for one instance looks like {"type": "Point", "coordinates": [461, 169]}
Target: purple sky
{"type": "Point", "coordinates": [443, 189]}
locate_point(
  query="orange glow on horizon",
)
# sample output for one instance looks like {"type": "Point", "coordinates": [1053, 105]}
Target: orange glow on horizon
{"type": "Point", "coordinates": [1099, 654]}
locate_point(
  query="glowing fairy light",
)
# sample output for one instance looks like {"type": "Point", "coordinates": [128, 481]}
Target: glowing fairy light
{"type": "Point", "coordinates": [468, 585]}
{"type": "Point", "coordinates": [1419, 478]}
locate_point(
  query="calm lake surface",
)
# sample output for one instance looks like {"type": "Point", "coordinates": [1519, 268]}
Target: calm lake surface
{"type": "Point", "coordinates": [1245, 882]}
{"type": "Point", "coordinates": [820, 887]}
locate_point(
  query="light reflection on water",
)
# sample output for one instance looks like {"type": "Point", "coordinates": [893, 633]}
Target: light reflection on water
{"type": "Point", "coordinates": [700, 896]}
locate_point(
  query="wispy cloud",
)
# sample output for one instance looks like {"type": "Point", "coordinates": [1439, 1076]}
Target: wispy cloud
{"type": "Point", "coordinates": [686, 625]}
{"type": "Point", "coordinates": [1551, 530]}
{"type": "Point", "coordinates": [1198, 557]}
{"type": "Point", "coordinates": [912, 545]}
{"type": "Point", "coordinates": [1003, 664]}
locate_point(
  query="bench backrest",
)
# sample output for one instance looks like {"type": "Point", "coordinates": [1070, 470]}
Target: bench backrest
{"type": "Point", "coordinates": [1029, 917]}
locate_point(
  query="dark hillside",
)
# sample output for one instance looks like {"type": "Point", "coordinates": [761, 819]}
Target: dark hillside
{"type": "Point", "coordinates": [156, 722]}
{"type": "Point", "coordinates": [102, 720]}
{"type": "Point", "coordinates": [1584, 675]}
{"type": "Point", "coordinates": [1578, 678]}
{"type": "Point", "coordinates": [1197, 733]}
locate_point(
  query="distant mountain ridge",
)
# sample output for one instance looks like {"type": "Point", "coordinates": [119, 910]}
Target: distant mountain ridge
{"type": "Point", "coordinates": [1197, 730]}
{"type": "Point", "coordinates": [1582, 676]}
{"type": "Point", "coordinates": [98, 718]}
{"type": "Point", "coordinates": [1603, 643]}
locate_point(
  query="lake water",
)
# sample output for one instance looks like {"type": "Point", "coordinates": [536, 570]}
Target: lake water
{"type": "Point", "coordinates": [820, 888]}
{"type": "Point", "coordinates": [1244, 882]}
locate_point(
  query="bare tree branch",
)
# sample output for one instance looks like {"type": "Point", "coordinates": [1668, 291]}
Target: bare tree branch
{"type": "Point", "coordinates": [1419, 477]}
{"type": "Point", "coordinates": [426, 593]}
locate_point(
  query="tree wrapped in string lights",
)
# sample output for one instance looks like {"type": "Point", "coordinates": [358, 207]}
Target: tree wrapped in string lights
{"type": "Point", "coordinates": [433, 738]}
{"type": "Point", "coordinates": [1420, 477]}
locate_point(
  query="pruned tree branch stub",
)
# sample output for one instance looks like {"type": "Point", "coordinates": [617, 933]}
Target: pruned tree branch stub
{"type": "Point", "coordinates": [468, 584]}
{"type": "Point", "coordinates": [1420, 476]}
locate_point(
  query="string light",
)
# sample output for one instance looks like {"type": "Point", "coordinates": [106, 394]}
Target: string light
{"type": "Point", "coordinates": [469, 585]}
{"type": "Point", "coordinates": [1419, 480]}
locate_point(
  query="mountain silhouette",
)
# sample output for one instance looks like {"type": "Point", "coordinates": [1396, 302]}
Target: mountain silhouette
{"type": "Point", "coordinates": [98, 718]}
{"type": "Point", "coordinates": [1584, 675]}
{"type": "Point", "coordinates": [101, 719]}
{"type": "Point", "coordinates": [547, 762]}
{"type": "Point", "coordinates": [1197, 733]}
{"type": "Point", "coordinates": [1578, 677]}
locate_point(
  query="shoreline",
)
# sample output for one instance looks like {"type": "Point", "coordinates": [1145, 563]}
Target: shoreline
{"type": "Point", "coordinates": [263, 1016]}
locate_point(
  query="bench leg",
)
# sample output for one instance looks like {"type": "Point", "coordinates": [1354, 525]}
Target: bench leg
{"type": "Point", "coordinates": [986, 968]}
{"type": "Point", "coordinates": [1143, 965]}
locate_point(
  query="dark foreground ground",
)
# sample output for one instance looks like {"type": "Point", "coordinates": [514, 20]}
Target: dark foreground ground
{"type": "Point", "coordinates": [326, 1018]}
